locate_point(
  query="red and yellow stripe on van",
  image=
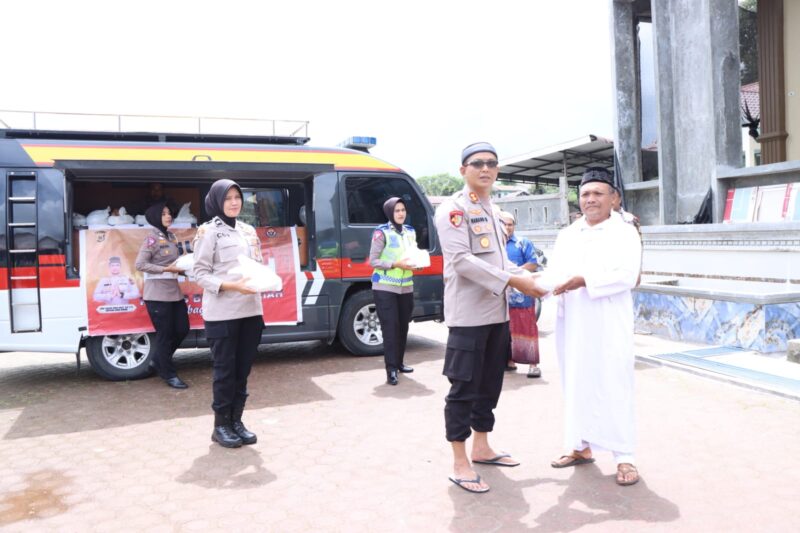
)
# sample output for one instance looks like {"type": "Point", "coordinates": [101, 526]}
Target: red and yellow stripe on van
{"type": "Point", "coordinates": [45, 153]}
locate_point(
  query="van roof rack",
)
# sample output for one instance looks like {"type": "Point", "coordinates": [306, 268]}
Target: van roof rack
{"type": "Point", "coordinates": [150, 128]}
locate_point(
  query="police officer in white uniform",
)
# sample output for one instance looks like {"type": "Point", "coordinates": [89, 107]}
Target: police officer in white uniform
{"type": "Point", "coordinates": [162, 293]}
{"type": "Point", "coordinates": [232, 311]}
{"type": "Point", "coordinates": [476, 274]}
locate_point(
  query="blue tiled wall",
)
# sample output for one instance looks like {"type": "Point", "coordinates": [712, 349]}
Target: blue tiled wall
{"type": "Point", "coordinates": [764, 328]}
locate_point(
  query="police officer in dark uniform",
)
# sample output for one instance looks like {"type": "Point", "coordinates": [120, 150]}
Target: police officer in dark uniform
{"type": "Point", "coordinates": [162, 293]}
{"type": "Point", "coordinates": [476, 274]}
{"type": "Point", "coordinates": [232, 310]}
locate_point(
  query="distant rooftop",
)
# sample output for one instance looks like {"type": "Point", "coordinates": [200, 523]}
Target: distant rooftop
{"type": "Point", "coordinates": [750, 96]}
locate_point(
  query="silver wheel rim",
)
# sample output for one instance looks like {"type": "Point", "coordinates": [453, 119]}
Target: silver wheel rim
{"type": "Point", "coordinates": [367, 326]}
{"type": "Point", "coordinates": [126, 351]}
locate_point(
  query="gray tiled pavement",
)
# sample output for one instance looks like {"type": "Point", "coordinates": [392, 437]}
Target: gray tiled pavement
{"type": "Point", "coordinates": [341, 451]}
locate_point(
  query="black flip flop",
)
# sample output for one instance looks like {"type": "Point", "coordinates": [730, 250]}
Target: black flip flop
{"type": "Point", "coordinates": [460, 483]}
{"type": "Point", "coordinates": [495, 461]}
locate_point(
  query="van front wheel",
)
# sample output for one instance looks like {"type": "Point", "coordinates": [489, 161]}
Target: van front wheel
{"type": "Point", "coordinates": [120, 357]}
{"type": "Point", "coordinates": [359, 326]}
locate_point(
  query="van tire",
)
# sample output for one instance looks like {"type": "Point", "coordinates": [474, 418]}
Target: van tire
{"type": "Point", "coordinates": [120, 357]}
{"type": "Point", "coordinates": [359, 328]}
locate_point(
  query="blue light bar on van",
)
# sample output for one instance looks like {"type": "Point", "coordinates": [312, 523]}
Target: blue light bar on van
{"type": "Point", "coordinates": [359, 143]}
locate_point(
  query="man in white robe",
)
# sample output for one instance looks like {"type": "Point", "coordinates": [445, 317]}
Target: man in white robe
{"type": "Point", "coordinates": [599, 256]}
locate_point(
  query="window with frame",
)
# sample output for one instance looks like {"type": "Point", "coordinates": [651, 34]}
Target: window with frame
{"type": "Point", "coordinates": [264, 207]}
{"type": "Point", "coordinates": [365, 198]}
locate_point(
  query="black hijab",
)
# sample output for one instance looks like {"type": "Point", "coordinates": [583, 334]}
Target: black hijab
{"type": "Point", "coordinates": [215, 200]}
{"type": "Point", "coordinates": [388, 210]}
{"type": "Point", "coordinates": [153, 215]}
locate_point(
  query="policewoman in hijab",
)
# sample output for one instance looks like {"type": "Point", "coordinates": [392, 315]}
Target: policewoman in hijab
{"type": "Point", "coordinates": [392, 284]}
{"type": "Point", "coordinates": [232, 310]}
{"type": "Point", "coordinates": [162, 294]}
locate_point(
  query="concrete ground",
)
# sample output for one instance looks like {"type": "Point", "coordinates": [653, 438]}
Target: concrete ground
{"type": "Point", "coordinates": [339, 450]}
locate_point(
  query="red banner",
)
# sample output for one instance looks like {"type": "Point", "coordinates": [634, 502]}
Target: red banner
{"type": "Point", "coordinates": [114, 287]}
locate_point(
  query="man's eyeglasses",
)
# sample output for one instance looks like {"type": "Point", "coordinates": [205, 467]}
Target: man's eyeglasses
{"type": "Point", "coordinates": [479, 163]}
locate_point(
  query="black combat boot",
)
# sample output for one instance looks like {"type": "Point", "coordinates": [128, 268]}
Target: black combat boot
{"type": "Point", "coordinates": [223, 434]}
{"type": "Point", "coordinates": [248, 437]}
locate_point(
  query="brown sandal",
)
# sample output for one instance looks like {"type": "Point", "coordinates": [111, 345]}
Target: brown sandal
{"type": "Point", "coordinates": [575, 460]}
{"type": "Point", "coordinates": [623, 469]}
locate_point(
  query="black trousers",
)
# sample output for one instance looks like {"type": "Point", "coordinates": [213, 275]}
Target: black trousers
{"type": "Point", "coordinates": [171, 321]}
{"type": "Point", "coordinates": [474, 362]}
{"type": "Point", "coordinates": [234, 344]}
{"type": "Point", "coordinates": [394, 311]}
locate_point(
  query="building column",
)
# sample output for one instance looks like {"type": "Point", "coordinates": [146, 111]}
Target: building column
{"type": "Point", "coordinates": [726, 88]}
{"type": "Point", "coordinates": [667, 157]}
{"type": "Point", "coordinates": [771, 81]}
{"type": "Point", "coordinates": [627, 94]}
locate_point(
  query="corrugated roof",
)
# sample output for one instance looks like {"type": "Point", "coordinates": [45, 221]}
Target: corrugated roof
{"type": "Point", "coordinates": [547, 164]}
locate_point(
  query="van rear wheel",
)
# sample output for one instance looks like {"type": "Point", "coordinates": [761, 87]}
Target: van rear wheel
{"type": "Point", "coordinates": [359, 326]}
{"type": "Point", "coordinates": [120, 357]}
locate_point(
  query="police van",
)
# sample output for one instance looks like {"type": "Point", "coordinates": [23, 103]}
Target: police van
{"type": "Point", "coordinates": [328, 200]}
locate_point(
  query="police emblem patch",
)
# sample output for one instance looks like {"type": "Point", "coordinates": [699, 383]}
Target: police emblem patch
{"type": "Point", "coordinates": [473, 197]}
{"type": "Point", "coordinates": [377, 235]}
{"type": "Point", "coordinates": [485, 242]}
{"type": "Point", "coordinates": [151, 241]}
{"type": "Point", "coordinates": [456, 218]}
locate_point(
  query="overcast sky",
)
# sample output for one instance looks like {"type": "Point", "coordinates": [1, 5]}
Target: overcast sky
{"type": "Point", "coordinates": [424, 77]}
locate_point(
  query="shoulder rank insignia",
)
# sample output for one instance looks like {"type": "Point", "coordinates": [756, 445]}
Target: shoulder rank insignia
{"type": "Point", "coordinates": [456, 218]}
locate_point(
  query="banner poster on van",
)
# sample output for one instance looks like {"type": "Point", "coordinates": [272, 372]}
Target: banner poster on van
{"type": "Point", "coordinates": [114, 287]}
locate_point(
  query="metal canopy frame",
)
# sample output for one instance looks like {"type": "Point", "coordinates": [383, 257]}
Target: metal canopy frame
{"type": "Point", "coordinates": [568, 159]}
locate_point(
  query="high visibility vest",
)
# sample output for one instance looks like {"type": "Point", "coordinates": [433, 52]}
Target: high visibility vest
{"type": "Point", "coordinates": [396, 245]}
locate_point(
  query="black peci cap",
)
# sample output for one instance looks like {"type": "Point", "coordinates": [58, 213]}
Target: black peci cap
{"type": "Point", "coordinates": [599, 174]}
{"type": "Point", "coordinates": [476, 148]}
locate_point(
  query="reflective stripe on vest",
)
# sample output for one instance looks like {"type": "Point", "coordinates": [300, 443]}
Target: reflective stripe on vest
{"type": "Point", "coordinates": [393, 250]}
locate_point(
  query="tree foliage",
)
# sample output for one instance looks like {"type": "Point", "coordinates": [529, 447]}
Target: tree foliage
{"type": "Point", "coordinates": [440, 184]}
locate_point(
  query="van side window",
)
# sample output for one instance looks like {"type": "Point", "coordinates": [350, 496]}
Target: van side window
{"type": "Point", "coordinates": [365, 197]}
{"type": "Point", "coordinates": [264, 207]}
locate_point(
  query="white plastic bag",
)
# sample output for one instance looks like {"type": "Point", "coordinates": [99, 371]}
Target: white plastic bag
{"type": "Point", "coordinates": [185, 216]}
{"type": "Point", "coordinates": [261, 277]}
{"type": "Point", "coordinates": [98, 217]}
{"type": "Point", "coordinates": [549, 280]}
{"type": "Point", "coordinates": [185, 263]}
{"type": "Point", "coordinates": [141, 220]}
{"type": "Point", "coordinates": [78, 220]}
{"type": "Point", "coordinates": [122, 218]}
{"type": "Point", "coordinates": [417, 258]}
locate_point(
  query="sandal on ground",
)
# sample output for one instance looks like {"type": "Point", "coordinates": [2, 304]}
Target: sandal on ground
{"type": "Point", "coordinates": [573, 459]}
{"type": "Point", "coordinates": [534, 372]}
{"type": "Point", "coordinates": [462, 483]}
{"type": "Point", "coordinates": [623, 469]}
{"type": "Point", "coordinates": [497, 460]}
